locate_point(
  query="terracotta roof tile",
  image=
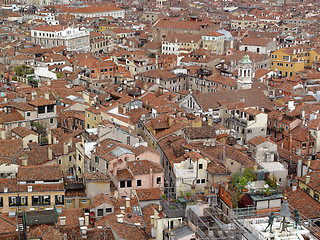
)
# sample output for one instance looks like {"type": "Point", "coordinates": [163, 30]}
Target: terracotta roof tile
{"type": "Point", "coordinates": [23, 132]}
{"type": "Point", "coordinates": [142, 167]}
{"type": "Point", "coordinates": [124, 174]}
{"type": "Point", "coordinates": [148, 194]}
{"type": "Point", "coordinates": [45, 172]}
{"type": "Point", "coordinates": [41, 101]}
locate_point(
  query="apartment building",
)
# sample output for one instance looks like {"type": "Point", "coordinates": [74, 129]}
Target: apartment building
{"type": "Point", "coordinates": [213, 41]}
{"type": "Point", "coordinates": [246, 122]}
{"type": "Point", "coordinates": [286, 62]}
{"type": "Point", "coordinates": [35, 187]}
{"type": "Point", "coordinates": [180, 43]}
{"type": "Point", "coordinates": [93, 11]}
{"type": "Point", "coordinates": [75, 39]}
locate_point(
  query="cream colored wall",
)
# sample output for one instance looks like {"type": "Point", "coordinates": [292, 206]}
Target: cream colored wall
{"type": "Point", "coordinates": [26, 140]}
{"type": "Point", "coordinates": [6, 208]}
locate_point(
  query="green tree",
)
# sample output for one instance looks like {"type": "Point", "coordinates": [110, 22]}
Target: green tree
{"type": "Point", "coordinates": [249, 174]}
{"type": "Point", "coordinates": [18, 70]}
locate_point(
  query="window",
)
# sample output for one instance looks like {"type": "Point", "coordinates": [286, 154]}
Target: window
{"type": "Point", "coordinates": [198, 180]}
{"type": "Point", "coordinates": [41, 109]}
{"type": "Point", "coordinates": [1, 201]}
{"type": "Point", "coordinates": [70, 158]}
{"type": "Point", "coordinates": [83, 200]}
{"type": "Point", "coordinates": [59, 199]}
{"type": "Point", "coordinates": [69, 201]}
{"type": "Point", "coordinates": [51, 120]}
{"type": "Point", "coordinates": [35, 200]}
{"type": "Point", "coordinates": [138, 183]}
{"type": "Point", "coordinates": [23, 201]}
{"type": "Point", "coordinates": [129, 183]}
{"type": "Point", "coordinates": [100, 212]}
{"type": "Point", "coordinates": [46, 200]}
{"type": "Point", "coordinates": [50, 108]}
{"type": "Point", "coordinates": [200, 166]}
{"type": "Point", "coordinates": [107, 165]}
{"type": "Point", "coordinates": [28, 114]}
{"type": "Point", "coordinates": [203, 180]}
{"type": "Point", "coordinates": [13, 201]}
{"type": "Point", "coordinates": [96, 159]}
{"type": "Point", "coordinates": [158, 180]}
{"type": "Point", "coordinates": [108, 210]}
{"type": "Point", "coordinates": [122, 184]}
{"type": "Point", "coordinates": [128, 140]}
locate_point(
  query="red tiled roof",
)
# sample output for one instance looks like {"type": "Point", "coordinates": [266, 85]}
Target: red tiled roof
{"type": "Point", "coordinates": [23, 132]}
{"type": "Point", "coordinates": [34, 173]}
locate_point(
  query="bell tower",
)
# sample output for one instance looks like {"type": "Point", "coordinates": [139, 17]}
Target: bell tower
{"type": "Point", "coordinates": [244, 73]}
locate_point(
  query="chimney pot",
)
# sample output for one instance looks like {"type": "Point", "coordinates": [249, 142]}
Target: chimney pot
{"type": "Point", "coordinates": [81, 221]}
{"type": "Point", "coordinates": [127, 202]}
{"type": "Point", "coordinates": [50, 156]}
{"type": "Point", "coordinates": [86, 219]}
{"type": "Point", "coordinates": [24, 159]}
{"type": "Point", "coordinates": [62, 221]}
{"type": "Point", "coordinates": [120, 218]}
{"type": "Point", "coordinates": [307, 179]}
{"type": "Point", "coordinates": [65, 148]}
{"type": "Point", "coordinates": [122, 209]}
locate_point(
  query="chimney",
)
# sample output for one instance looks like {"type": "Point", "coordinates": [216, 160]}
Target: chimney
{"type": "Point", "coordinates": [83, 231]}
{"type": "Point", "coordinates": [290, 142]}
{"type": "Point", "coordinates": [294, 187]}
{"type": "Point", "coordinates": [299, 168]}
{"type": "Point", "coordinates": [120, 218]}
{"type": "Point", "coordinates": [54, 139]}
{"type": "Point", "coordinates": [49, 136]}
{"type": "Point", "coordinates": [151, 177]}
{"type": "Point", "coordinates": [3, 133]}
{"type": "Point", "coordinates": [24, 159]}
{"type": "Point", "coordinates": [309, 163]}
{"type": "Point", "coordinates": [307, 179]}
{"type": "Point", "coordinates": [122, 210]}
{"type": "Point", "coordinates": [81, 221]}
{"type": "Point", "coordinates": [46, 96]}
{"type": "Point", "coordinates": [62, 221]}
{"type": "Point", "coordinates": [86, 219]}
{"type": "Point", "coordinates": [115, 169]}
{"type": "Point", "coordinates": [127, 202]}
{"type": "Point", "coordinates": [152, 220]}
{"type": "Point", "coordinates": [65, 148]}
{"type": "Point", "coordinates": [50, 153]}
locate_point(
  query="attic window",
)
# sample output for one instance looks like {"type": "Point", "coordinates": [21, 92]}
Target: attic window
{"type": "Point", "coordinates": [108, 210]}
